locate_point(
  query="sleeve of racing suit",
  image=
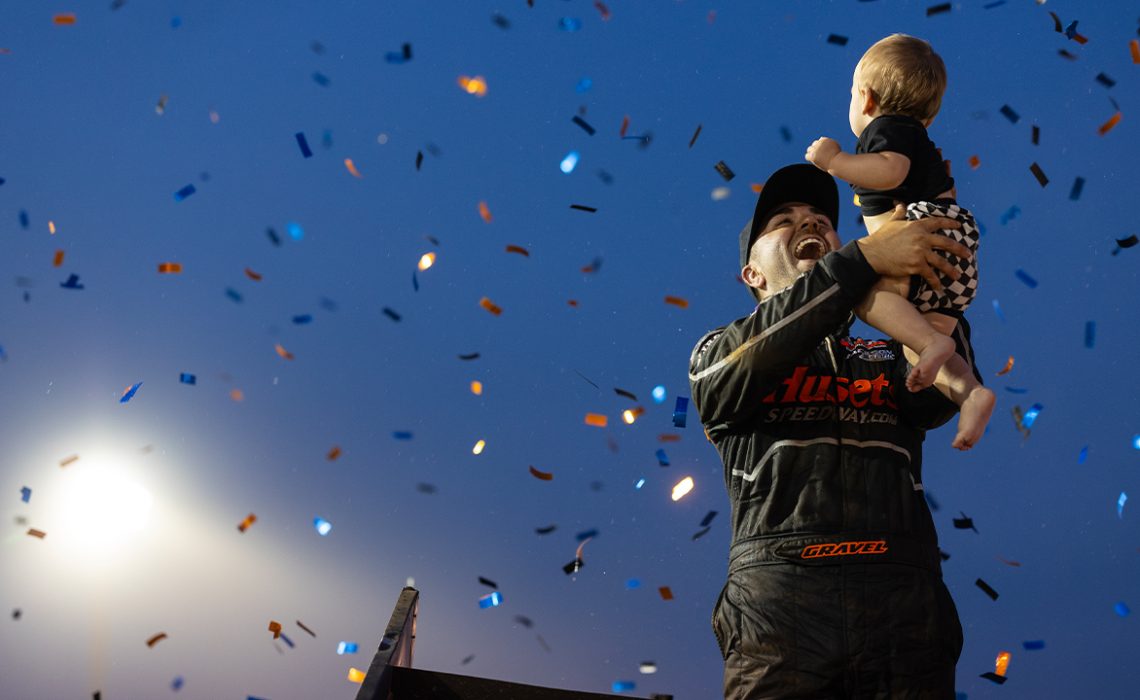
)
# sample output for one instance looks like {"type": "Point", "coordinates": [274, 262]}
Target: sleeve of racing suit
{"type": "Point", "coordinates": [929, 409]}
{"type": "Point", "coordinates": [730, 365]}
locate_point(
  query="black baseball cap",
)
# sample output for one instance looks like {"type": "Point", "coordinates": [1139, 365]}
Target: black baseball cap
{"type": "Point", "coordinates": [802, 182]}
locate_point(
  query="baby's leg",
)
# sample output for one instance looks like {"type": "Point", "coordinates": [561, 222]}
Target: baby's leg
{"type": "Point", "coordinates": [885, 307]}
{"type": "Point", "coordinates": [958, 383]}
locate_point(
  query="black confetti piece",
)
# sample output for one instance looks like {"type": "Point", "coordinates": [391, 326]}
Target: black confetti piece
{"type": "Point", "coordinates": [1090, 334]}
{"type": "Point", "coordinates": [524, 621]}
{"type": "Point", "coordinates": [937, 9]}
{"type": "Point", "coordinates": [701, 533]}
{"type": "Point", "coordinates": [273, 237]}
{"type": "Point", "coordinates": [1039, 174]}
{"type": "Point", "coordinates": [964, 523]}
{"type": "Point", "coordinates": [391, 314]}
{"type": "Point", "coordinates": [1078, 185]}
{"type": "Point", "coordinates": [583, 207]}
{"type": "Point", "coordinates": [584, 124]}
{"type": "Point", "coordinates": [695, 135]}
{"type": "Point", "coordinates": [500, 21]}
{"type": "Point", "coordinates": [419, 159]}
{"type": "Point", "coordinates": [725, 171]}
{"type": "Point", "coordinates": [837, 39]}
{"type": "Point", "coordinates": [546, 530]}
{"type": "Point", "coordinates": [1105, 80]}
{"type": "Point", "coordinates": [707, 520]}
{"type": "Point", "coordinates": [1009, 114]}
{"type": "Point", "coordinates": [991, 676]}
{"type": "Point", "coordinates": [488, 582]}
{"type": "Point", "coordinates": [470, 356]}
{"type": "Point", "coordinates": [986, 588]}
{"type": "Point", "coordinates": [1036, 138]}
{"type": "Point", "coordinates": [626, 394]}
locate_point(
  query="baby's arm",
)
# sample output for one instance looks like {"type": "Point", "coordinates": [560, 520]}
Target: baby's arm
{"type": "Point", "coordinates": [884, 170]}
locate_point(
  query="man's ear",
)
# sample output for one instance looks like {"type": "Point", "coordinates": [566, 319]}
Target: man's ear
{"type": "Point", "coordinates": [870, 100]}
{"type": "Point", "coordinates": [753, 277]}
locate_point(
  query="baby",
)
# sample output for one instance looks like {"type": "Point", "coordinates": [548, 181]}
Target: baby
{"type": "Point", "coordinates": [895, 94]}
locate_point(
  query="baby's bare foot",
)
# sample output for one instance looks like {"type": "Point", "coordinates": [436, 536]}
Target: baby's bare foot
{"type": "Point", "coordinates": [930, 360]}
{"type": "Point", "coordinates": [974, 415]}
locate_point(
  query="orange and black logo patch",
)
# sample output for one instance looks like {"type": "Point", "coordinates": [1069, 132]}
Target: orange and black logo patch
{"type": "Point", "coordinates": [843, 549]}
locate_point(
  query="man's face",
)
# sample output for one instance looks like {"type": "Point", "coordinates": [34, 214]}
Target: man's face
{"type": "Point", "coordinates": [793, 239]}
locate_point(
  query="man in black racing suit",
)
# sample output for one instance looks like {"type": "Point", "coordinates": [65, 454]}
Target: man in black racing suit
{"type": "Point", "coordinates": [834, 582]}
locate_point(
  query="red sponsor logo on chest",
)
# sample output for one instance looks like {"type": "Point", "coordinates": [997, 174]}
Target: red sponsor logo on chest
{"type": "Point", "coordinates": [843, 549]}
{"type": "Point", "coordinates": [802, 387]}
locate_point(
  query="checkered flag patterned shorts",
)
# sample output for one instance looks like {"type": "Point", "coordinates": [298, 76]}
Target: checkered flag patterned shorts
{"type": "Point", "coordinates": [957, 292]}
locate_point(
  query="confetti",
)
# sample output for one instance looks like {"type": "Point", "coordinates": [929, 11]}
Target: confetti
{"type": "Point", "coordinates": [321, 79]}
{"type": "Point", "coordinates": [998, 311]}
{"type": "Point", "coordinates": [573, 567]}
{"type": "Point", "coordinates": [426, 488]}
{"type": "Point", "coordinates": [632, 414]}
{"type": "Point", "coordinates": [476, 86]}
{"type": "Point", "coordinates": [1134, 48]}
{"type": "Point", "coordinates": [596, 419]}
{"type": "Point", "coordinates": [680, 411]}
{"type": "Point", "coordinates": [695, 135]}
{"type": "Point", "coordinates": [720, 193]}
{"type": "Point", "coordinates": [25, 494]}
{"type": "Point", "coordinates": [569, 24]}
{"type": "Point", "coordinates": [391, 313]}
{"type": "Point", "coordinates": [937, 9]}
{"type": "Point", "coordinates": [622, 686]}
{"type": "Point", "coordinates": [964, 523]}
{"type": "Point", "coordinates": [484, 212]}
{"type": "Point", "coordinates": [352, 168]}
{"type": "Point", "coordinates": [245, 524]}
{"type": "Point", "coordinates": [275, 628]}
{"type": "Point", "coordinates": [169, 268]}
{"type": "Point", "coordinates": [478, 448]}
{"type": "Point", "coordinates": [1083, 455]}
{"type": "Point", "coordinates": [156, 639]}
{"type": "Point", "coordinates": [662, 458]}
{"type": "Point", "coordinates": [1122, 243]}
{"type": "Point", "coordinates": [1078, 186]}
{"type": "Point", "coordinates": [582, 123]}
{"type": "Point", "coordinates": [322, 526]}
{"type": "Point", "coordinates": [1104, 80]}
{"type": "Point", "coordinates": [991, 676]}
{"type": "Point", "coordinates": [177, 683]}
{"type": "Point", "coordinates": [975, 162]}
{"type": "Point", "coordinates": [569, 162]}
{"type": "Point", "coordinates": [837, 39]}
{"type": "Point", "coordinates": [491, 600]}
{"type": "Point", "coordinates": [546, 530]}
{"type": "Point", "coordinates": [1039, 174]}
{"type": "Point", "coordinates": [1024, 277]}
{"type": "Point", "coordinates": [285, 354]}
{"type": "Point", "coordinates": [426, 261]}
{"type": "Point", "coordinates": [725, 171]}
{"type": "Point", "coordinates": [786, 135]}
{"type": "Point", "coordinates": [603, 10]}
{"type": "Point", "coordinates": [469, 356]}
{"type": "Point", "coordinates": [57, 260]}
{"type": "Point", "coordinates": [986, 588]}
{"type": "Point", "coordinates": [402, 434]}
{"type": "Point", "coordinates": [658, 394]}
{"type": "Point", "coordinates": [187, 378]}
{"type": "Point", "coordinates": [234, 295]}
{"type": "Point", "coordinates": [355, 675]}
{"type": "Point", "coordinates": [1033, 645]}
{"type": "Point", "coordinates": [490, 306]}
{"type": "Point", "coordinates": [184, 193]}
{"type": "Point", "coordinates": [129, 392]}
{"type": "Point", "coordinates": [583, 207]}
{"type": "Point", "coordinates": [1008, 366]}
{"type": "Point", "coordinates": [543, 476]}
{"type": "Point", "coordinates": [1009, 114]}
{"type": "Point", "coordinates": [273, 237]}
{"type": "Point", "coordinates": [40, 534]}
{"type": "Point", "coordinates": [592, 267]}
{"type": "Point", "coordinates": [1001, 664]}
{"type": "Point", "coordinates": [1120, 501]}
{"type": "Point", "coordinates": [585, 535]}
{"type": "Point", "coordinates": [64, 18]}
{"type": "Point", "coordinates": [1090, 333]}
{"type": "Point", "coordinates": [1031, 415]}
{"type": "Point", "coordinates": [237, 395]}
{"type": "Point", "coordinates": [1121, 609]}
{"type": "Point", "coordinates": [682, 488]}
{"type": "Point", "coordinates": [677, 301]}
{"type": "Point", "coordinates": [624, 126]}
{"type": "Point", "coordinates": [665, 592]}
{"type": "Point", "coordinates": [1108, 125]}
{"type": "Point", "coordinates": [68, 460]}
{"type": "Point", "coordinates": [346, 648]}
{"type": "Point", "coordinates": [1036, 135]}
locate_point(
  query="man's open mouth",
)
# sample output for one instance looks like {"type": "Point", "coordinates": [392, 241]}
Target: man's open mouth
{"type": "Point", "coordinates": [811, 247]}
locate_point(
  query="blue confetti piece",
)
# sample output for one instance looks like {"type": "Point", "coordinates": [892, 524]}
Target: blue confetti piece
{"type": "Point", "coordinates": [321, 79]}
{"type": "Point", "coordinates": [399, 57]}
{"type": "Point", "coordinates": [177, 683]}
{"type": "Point", "coordinates": [415, 282]}
{"type": "Point", "coordinates": [346, 648]}
{"type": "Point", "coordinates": [391, 313]}
{"type": "Point", "coordinates": [1120, 505]}
{"type": "Point", "coordinates": [1090, 333]}
{"type": "Point", "coordinates": [639, 484]}
{"type": "Point", "coordinates": [707, 520]}
{"type": "Point", "coordinates": [622, 686]}
{"type": "Point", "coordinates": [1031, 414]}
{"type": "Point", "coordinates": [992, 5]}
{"type": "Point", "coordinates": [184, 193]}
{"type": "Point", "coordinates": [175, 23]}
{"type": "Point", "coordinates": [273, 237]}
{"type": "Point", "coordinates": [322, 526]}
{"type": "Point", "coordinates": [997, 310]}
{"type": "Point", "coordinates": [295, 230]}
{"type": "Point", "coordinates": [1009, 114]}
{"type": "Point", "coordinates": [662, 458]}
{"type": "Point", "coordinates": [3, 354]}
{"type": "Point", "coordinates": [491, 600]}
{"type": "Point", "coordinates": [584, 85]}
{"type": "Point", "coordinates": [786, 134]}
{"type": "Point", "coordinates": [23, 219]}
{"type": "Point", "coordinates": [130, 393]}
{"type": "Point", "coordinates": [1071, 30]}
{"type": "Point", "coordinates": [586, 535]}
{"type": "Point", "coordinates": [1078, 185]}
{"type": "Point", "coordinates": [679, 412]}
{"type": "Point", "coordinates": [303, 319]}
{"type": "Point", "coordinates": [233, 294]}
{"type": "Point", "coordinates": [187, 378]}
{"type": "Point", "coordinates": [569, 24]}
{"type": "Point", "coordinates": [72, 282]}
{"type": "Point", "coordinates": [1024, 277]}
{"type": "Point", "coordinates": [286, 639]}
{"type": "Point", "coordinates": [632, 584]}
{"type": "Point", "coordinates": [837, 39]}
{"type": "Point", "coordinates": [1033, 645]}
{"type": "Point", "coordinates": [1121, 609]}
{"type": "Point", "coordinates": [1136, 442]}
{"type": "Point", "coordinates": [1016, 390]}
{"type": "Point", "coordinates": [659, 394]}
{"type": "Point", "coordinates": [569, 162]}
{"type": "Point", "coordinates": [1009, 215]}
{"type": "Point", "coordinates": [402, 434]}
{"type": "Point", "coordinates": [303, 144]}
{"type": "Point", "coordinates": [1084, 454]}
{"type": "Point", "coordinates": [25, 494]}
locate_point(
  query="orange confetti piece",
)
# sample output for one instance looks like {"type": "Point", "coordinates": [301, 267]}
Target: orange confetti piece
{"type": "Point", "coordinates": [597, 420]}
{"type": "Point", "coordinates": [1008, 366]}
{"type": "Point", "coordinates": [58, 259]}
{"type": "Point", "coordinates": [1001, 664]}
{"type": "Point", "coordinates": [37, 533]}
{"type": "Point", "coordinates": [490, 306]}
{"type": "Point", "coordinates": [333, 453]}
{"type": "Point", "coordinates": [544, 476]}
{"type": "Point", "coordinates": [1108, 125]}
{"type": "Point", "coordinates": [476, 86]}
{"type": "Point", "coordinates": [51, 227]}
{"type": "Point", "coordinates": [605, 11]}
{"type": "Point", "coordinates": [68, 460]}
{"type": "Point", "coordinates": [573, 302]}
{"type": "Point", "coordinates": [682, 488]}
{"type": "Point", "coordinates": [668, 437]}
{"type": "Point", "coordinates": [677, 301]}
{"type": "Point", "coordinates": [275, 628]}
{"type": "Point", "coordinates": [283, 352]}
{"type": "Point", "coordinates": [1134, 47]}
{"type": "Point", "coordinates": [252, 275]}
{"type": "Point", "coordinates": [518, 249]}
{"type": "Point", "coordinates": [245, 524]}
{"type": "Point", "coordinates": [624, 126]}
{"type": "Point", "coordinates": [484, 212]}
{"type": "Point", "coordinates": [757, 187]}
{"type": "Point", "coordinates": [64, 18]}
{"type": "Point", "coordinates": [477, 388]}
{"type": "Point", "coordinates": [629, 415]}
{"type": "Point", "coordinates": [1009, 562]}
{"type": "Point", "coordinates": [355, 675]}
{"type": "Point", "coordinates": [666, 593]}
{"type": "Point", "coordinates": [428, 259]}
{"type": "Point", "coordinates": [156, 639]}
{"type": "Point", "coordinates": [975, 162]}
{"type": "Point", "coordinates": [237, 395]}
{"type": "Point", "coordinates": [352, 168]}
{"type": "Point", "coordinates": [169, 268]}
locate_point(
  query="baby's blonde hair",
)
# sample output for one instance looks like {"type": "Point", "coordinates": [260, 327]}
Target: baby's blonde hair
{"type": "Point", "coordinates": [906, 76]}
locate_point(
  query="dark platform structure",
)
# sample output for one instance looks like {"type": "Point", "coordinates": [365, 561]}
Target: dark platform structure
{"type": "Point", "coordinates": [391, 676]}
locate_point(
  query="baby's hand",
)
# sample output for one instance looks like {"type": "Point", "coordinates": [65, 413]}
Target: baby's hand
{"type": "Point", "coordinates": [822, 151]}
